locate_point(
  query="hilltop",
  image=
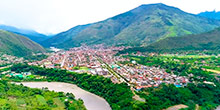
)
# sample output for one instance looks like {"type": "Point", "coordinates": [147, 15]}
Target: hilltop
{"type": "Point", "coordinates": [141, 26]}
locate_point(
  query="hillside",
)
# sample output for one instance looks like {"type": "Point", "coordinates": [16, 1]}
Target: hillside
{"type": "Point", "coordinates": [17, 45]}
{"type": "Point", "coordinates": [63, 36]}
{"type": "Point", "coordinates": [210, 14]}
{"type": "Point", "coordinates": [205, 41]}
{"type": "Point", "coordinates": [33, 35]}
{"type": "Point", "coordinates": [140, 27]}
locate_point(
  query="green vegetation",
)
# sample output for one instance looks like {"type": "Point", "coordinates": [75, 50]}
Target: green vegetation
{"type": "Point", "coordinates": [207, 96]}
{"type": "Point", "coordinates": [84, 68]}
{"type": "Point", "coordinates": [18, 97]}
{"type": "Point", "coordinates": [139, 27]}
{"type": "Point", "coordinates": [41, 99]}
{"type": "Point", "coordinates": [208, 42]}
{"type": "Point", "coordinates": [80, 68]}
{"type": "Point", "coordinates": [179, 65]}
{"type": "Point", "coordinates": [5, 64]}
{"type": "Point", "coordinates": [119, 96]}
{"type": "Point", "coordinates": [33, 35]}
{"type": "Point", "coordinates": [191, 66]}
{"type": "Point", "coordinates": [5, 69]}
{"type": "Point", "coordinates": [17, 45]}
{"type": "Point", "coordinates": [36, 57]}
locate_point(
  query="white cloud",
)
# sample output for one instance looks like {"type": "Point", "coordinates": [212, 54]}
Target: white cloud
{"type": "Point", "coordinates": [52, 16]}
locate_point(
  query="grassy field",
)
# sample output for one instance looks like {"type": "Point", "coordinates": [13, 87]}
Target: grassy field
{"type": "Point", "coordinates": [84, 68]}
{"type": "Point", "coordinates": [41, 99]}
{"type": "Point", "coordinates": [20, 102]}
{"type": "Point", "coordinates": [2, 101]}
{"type": "Point", "coordinates": [214, 71]}
{"type": "Point", "coordinates": [59, 103]}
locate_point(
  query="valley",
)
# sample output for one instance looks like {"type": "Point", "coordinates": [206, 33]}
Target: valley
{"type": "Point", "coordinates": [141, 73]}
{"type": "Point", "coordinates": [147, 57]}
{"type": "Point", "coordinates": [99, 60]}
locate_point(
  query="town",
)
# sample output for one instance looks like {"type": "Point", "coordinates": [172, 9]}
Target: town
{"type": "Point", "coordinates": [9, 59]}
{"type": "Point", "coordinates": [100, 60]}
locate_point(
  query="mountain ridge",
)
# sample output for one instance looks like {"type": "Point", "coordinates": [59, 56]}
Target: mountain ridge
{"type": "Point", "coordinates": [210, 14]}
{"type": "Point", "coordinates": [194, 42]}
{"type": "Point", "coordinates": [140, 26]}
{"type": "Point", "coordinates": [31, 34]}
{"type": "Point", "coordinates": [17, 45]}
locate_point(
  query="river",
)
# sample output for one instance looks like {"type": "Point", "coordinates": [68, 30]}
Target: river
{"type": "Point", "coordinates": [91, 101]}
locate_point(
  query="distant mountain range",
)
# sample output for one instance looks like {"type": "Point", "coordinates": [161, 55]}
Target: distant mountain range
{"type": "Point", "coordinates": [33, 35]}
{"type": "Point", "coordinates": [204, 41]}
{"type": "Point", "coordinates": [141, 26]}
{"type": "Point", "coordinates": [17, 45]}
{"type": "Point", "coordinates": [210, 14]}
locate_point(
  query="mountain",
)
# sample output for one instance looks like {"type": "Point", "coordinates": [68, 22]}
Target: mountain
{"type": "Point", "coordinates": [139, 27]}
{"type": "Point", "coordinates": [17, 45]}
{"type": "Point", "coordinates": [210, 14]}
{"type": "Point", "coordinates": [33, 35]}
{"type": "Point", "coordinates": [64, 36]}
{"type": "Point", "coordinates": [204, 41]}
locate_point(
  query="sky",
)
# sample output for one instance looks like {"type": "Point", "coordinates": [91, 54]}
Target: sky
{"type": "Point", "coordinates": [54, 16]}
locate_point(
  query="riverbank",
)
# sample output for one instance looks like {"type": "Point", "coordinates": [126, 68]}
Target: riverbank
{"type": "Point", "coordinates": [91, 101]}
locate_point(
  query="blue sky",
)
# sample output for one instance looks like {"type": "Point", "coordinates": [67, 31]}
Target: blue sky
{"type": "Point", "coordinates": [53, 16]}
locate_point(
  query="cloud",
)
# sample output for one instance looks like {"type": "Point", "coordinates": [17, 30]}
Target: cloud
{"type": "Point", "coordinates": [53, 16]}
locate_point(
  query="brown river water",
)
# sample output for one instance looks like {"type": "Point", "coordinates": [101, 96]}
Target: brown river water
{"type": "Point", "coordinates": [91, 101]}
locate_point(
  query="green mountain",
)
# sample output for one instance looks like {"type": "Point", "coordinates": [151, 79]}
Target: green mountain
{"type": "Point", "coordinates": [204, 41]}
{"type": "Point", "coordinates": [33, 35]}
{"type": "Point", "coordinates": [63, 36]}
{"type": "Point", "coordinates": [17, 45]}
{"type": "Point", "coordinates": [210, 14]}
{"type": "Point", "coordinates": [139, 27]}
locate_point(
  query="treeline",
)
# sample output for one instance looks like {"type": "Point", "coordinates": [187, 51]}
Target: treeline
{"type": "Point", "coordinates": [6, 64]}
{"type": "Point", "coordinates": [119, 96]}
{"type": "Point", "coordinates": [17, 97]}
{"type": "Point", "coordinates": [205, 95]}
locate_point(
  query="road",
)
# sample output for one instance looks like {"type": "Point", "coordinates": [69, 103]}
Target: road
{"type": "Point", "coordinates": [63, 62]}
{"type": "Point", "coordinates": [5, 67]}
{"type": "Point", "coordinates": [120, 77]}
